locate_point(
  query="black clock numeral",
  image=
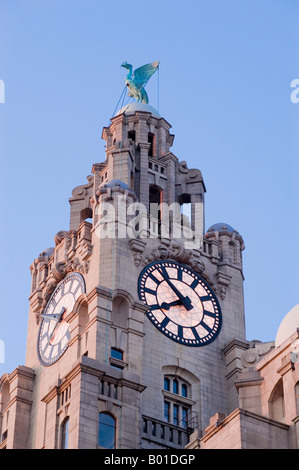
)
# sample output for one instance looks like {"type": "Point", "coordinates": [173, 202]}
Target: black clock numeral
{"type": "Point", "coordinates": [206, 327]}
{"type": "Point", "coordinates": [153, 278]}
{"type": "Point", "coordinates": [209, 314]}
{"type": "Point", "coordinates": [180, 274]}
{"type": "Point", "coordinates": [155, 307]}
{"type": "Point", "coordinates": [163, 272]}
{"type": "Point", "coordinates": [149, 291]}
{"type": "Point", "coordinates": [180, 331]}
{"type": "Point", "coordinates": [165, 322]}
{"type": "Point", "coordinates": [194, 284]}
{"type": "Point", "coordinates": [194, 331]}
{"type": "Point", "coordinates": [205, 298]}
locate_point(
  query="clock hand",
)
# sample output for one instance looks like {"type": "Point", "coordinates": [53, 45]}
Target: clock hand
{"type": "Point", "coordinates": [59, 316]}
{"type": "Point", "coordinates": [185, 300]}
{"type": "Point", "coordinates": [55, 316]}
{"type": "Point", "coordinates": [166, 306]}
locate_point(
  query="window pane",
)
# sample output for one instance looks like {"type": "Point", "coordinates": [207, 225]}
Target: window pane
{"type": "Point", "coordinates": [166, 411]}
{"type": "Point", "coordinates": [106, 431]}
{"type": "Point", "coordinates": [184, 390]}
{"type": "Point", "coordinates": [184, 417]}
{"type": "Point", "coordinates": [175, 414]}
{"type": "Point", "coordinates": [116, 354]}
{"type": "Point", "coordinates": [166, 384]}
{"type": "Point", "coordinates": [65, 434]}
{"type": "Point", "coordinates": [175, 386]}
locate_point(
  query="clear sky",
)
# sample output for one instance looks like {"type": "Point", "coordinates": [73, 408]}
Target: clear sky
{"type": "Point", "coordinates": [224, 85]}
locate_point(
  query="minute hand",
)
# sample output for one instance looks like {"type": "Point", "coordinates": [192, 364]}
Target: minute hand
{"type": "Point", "coordinates": [185, 300]}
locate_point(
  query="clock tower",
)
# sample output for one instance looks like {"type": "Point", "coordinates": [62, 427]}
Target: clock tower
{"type": "Point", "coordinates": [136, 317]}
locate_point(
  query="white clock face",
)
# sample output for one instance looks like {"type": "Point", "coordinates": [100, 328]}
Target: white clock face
{"type": "Point", "coordinates": [181, 304]}
{"type": "Point", "coordinates": [54, 332]}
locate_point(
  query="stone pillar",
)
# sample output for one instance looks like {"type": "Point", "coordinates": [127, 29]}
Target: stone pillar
{"type": "Point", "coordinates": [21, 387]}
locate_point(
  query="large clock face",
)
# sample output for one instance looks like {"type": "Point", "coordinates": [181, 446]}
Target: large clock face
{"type": "Point", "coordinates": [54, 332]}
{"type": "Point", "coordinates": [180, 303]}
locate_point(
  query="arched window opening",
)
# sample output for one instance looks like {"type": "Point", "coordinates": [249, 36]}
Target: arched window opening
{"type": "Point", "coordinates": [132, 135]}
{"type": "Point", "coordinates": [86, 214]}
{"type": "Point", "coordinates": [83, 315]}
{"type": "Point", "coordinates": [65, 433]}
{"type": "Point", "coordinates": [177, 408]}
{"type": "Point", "coordinates": [297, 397]}
{"type": "Point", "coordinates": [107, 428]}
{"type": "Point", "coordinates": [155, 199]}
{"type": "Point", "coordinates": [151, 140]}
{"type": "Point", "coordinates": [276, 402]}
{"type": "Point", "coordinates": [166, 384]}
{"type": "Point", "coordinates": [185, 203]}
{"type": "Point", "coordinates": [5, 395]}
{"type": "Point", "coordinates": [120, 311]}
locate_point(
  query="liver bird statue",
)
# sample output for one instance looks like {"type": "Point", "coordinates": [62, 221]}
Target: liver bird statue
{"type": "Point", "coordinates": [137, 80]}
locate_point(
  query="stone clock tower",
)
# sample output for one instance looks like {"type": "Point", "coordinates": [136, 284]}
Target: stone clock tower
{"type": "Point", "coordinates": [136, 317]}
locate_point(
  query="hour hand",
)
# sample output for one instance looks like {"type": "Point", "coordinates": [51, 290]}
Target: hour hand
{"type": "Point", "coordinates": [185, 300]}
{"type": "Point", "coordinates": [54, 316]}
{"type": "Point", "coordinates": [166, 306]}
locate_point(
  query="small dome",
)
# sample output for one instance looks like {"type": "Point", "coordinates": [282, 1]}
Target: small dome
{"type": "Point", "coordinates": [218, 227]}
{"type": "Point", "coordinates": [113, 183]}
{"type": "Point", "coordinates": [288, 326]}
{"type": "Point", "coordinates": [136, 106]}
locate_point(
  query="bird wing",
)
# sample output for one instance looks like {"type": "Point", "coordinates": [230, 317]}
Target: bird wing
{"type": "Point", "coordinates": [143, 74]}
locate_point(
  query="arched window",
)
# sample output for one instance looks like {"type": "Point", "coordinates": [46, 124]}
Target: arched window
{"type": "Point", "coordinates": [166, 384]}
{"type": "Point", "coordinates": [120, 311]}
{"type": "Point", "coordinates": [177, 407]}
{"type": "Point", "coordinates": [175, 386]}
{"type": "Point", "coordinates": [276, 402]}
{"type": "Point", "coordinates": [5, 395]}
{"type": "Point", "coordinates": [297, 397]}
{"type": "Point", "coordinates": [65, 433]}
{"type": "Point", "coordinates": [107, 427]}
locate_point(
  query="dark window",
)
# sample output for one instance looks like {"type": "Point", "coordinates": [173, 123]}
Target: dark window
{"type": "Point", "coordinates": [107, 426]}
{"type": "Point", "coordinates": [151, 140]}
{"type": "Point", "coordinates": [184, 417]}
{"type": "Point", "coordinates": [117, 354]}
{"type": "Point", "coordinates": [131, 135]}
{"type": "Point", "coordinates": [176, 414]}
{"type": "Point", "coordinates": [166, 384]}
{"type": "Point", "coordinates": [65, 434]}
{"type": "Point", "coordinates": [175, 386]}
{"type": "Point", "coordinates": [167, 411]}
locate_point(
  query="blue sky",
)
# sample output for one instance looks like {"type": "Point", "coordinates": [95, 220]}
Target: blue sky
{"type": "Point", "coordinates": [224, 86]}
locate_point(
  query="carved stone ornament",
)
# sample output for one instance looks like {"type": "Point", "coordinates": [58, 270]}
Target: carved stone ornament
{"type": "Point", "coordinates": [172, 251]}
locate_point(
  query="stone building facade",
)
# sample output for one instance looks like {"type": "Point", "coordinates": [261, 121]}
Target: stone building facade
{"type": "Point", "coordinates": [106, 367]}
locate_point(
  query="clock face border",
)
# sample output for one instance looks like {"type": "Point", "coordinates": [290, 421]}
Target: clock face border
{"type": "Point", "coordinates": [150, 267]}
{"type": "Point", "coordinates": [81, 282]}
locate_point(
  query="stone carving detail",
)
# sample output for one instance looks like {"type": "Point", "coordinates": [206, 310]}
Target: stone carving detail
{"type": "Point", "coordinates": [255, 353]}
{"type": "Point", "coordinates": [71, 253]}
{"type": "Point", "coordinates": [172, 251]}
{"type": "Point", "coordinates": [81, 191]}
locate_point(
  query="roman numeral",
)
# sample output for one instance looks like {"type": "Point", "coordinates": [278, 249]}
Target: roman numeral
{"type": "Point", "coordinates": [180, 274]}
